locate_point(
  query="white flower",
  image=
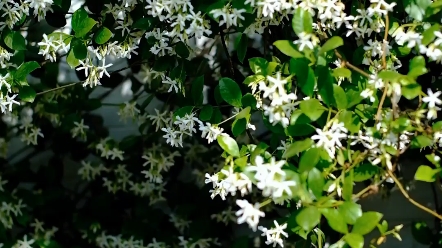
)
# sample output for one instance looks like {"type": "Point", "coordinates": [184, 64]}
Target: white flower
{"type": "Point", "coordinates": [273, 235]}
{"type": "Point", "coordinates": [249, 213]}
{"type": "Point", "coordinates": [432, 99]}
{"type": "Point", "coordinates": [210, 132]}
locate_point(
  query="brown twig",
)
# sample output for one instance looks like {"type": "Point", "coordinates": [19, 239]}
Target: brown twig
{"type": "Point", "coordinates": [381, 103]}
{"type": "Point", "coordinates": [407, 196]}
{"type": "Point", "coordinates": [385, 42]}
{"type": "Point", "coordinates": [349, 65]}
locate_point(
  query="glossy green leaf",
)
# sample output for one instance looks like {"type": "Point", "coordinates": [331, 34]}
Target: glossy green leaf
{"type": "Point", "coordinates": [308, 218]}
{"type": "Point", "coordinates": [332, 43]}
{"type": "Point", "coordinates": [341, 72]}
{"type": "Point", "coordinates": [288, 48]}
{"type": "Point", "coordinates": [71, 60]}
{"type": "Point", "coordinates": [364, 172]}
{"type": "Point", "coordinates": [239, 126]}
{"type": "Point", "coordinates": [206, 113]}
{"type": "Point", "coordinates": [340, 97]}
{"type": "Point", "coordinates": [416, 8]}
{"type": "Point", "coordinates": [24, 70]}
{"type": "Point", "coordinates": [421, 232]}
{"type": "Point", "coordinates": [316, 182]}
{"type": "Point", "coordinates": [230, 92]}
{"type": "Point", "coordinates": [82, 23]}
{"type": "Point", "coordinates": [182, 50]}
{"type": "Point", "coordinates": [102, 35]}
{"type": "Point", "coordinates": [366, 223]}
{"type": "Point", "coordinates": [309, 159]}
{"type": "Point", "coordinates": [354, 240]}
{"type": "Point", "coordinates": [297, 147]}
{"type": "Point", "coordinates": [411, 91]}
{"type": "Point", "coordinates": [14, 40]}
{"type": "Point", "coordinates": [421, 141]}
{"type": "Point", "coordinates": [302, 22]}
{"type": "Point", "coordinates": [351, 211]}
{"type": "Point", "coordinates": [27, 94]}
{"type": "Point", "coordinates": [312, 108]}
{"type": "Point", "coordinates": [335, 220]}
{"type": "Point", "coordinates": [248, 100]}
{"type": "Point", "coordinates": [229, 145]}
{"type": "Point", "coordinates": [79, 49]}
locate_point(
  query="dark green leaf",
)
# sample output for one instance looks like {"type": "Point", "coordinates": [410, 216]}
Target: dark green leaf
{"type": "Point", "coordinates": [206, 113]}
{"type": "Point", "coordinates": [79, 49]}
{"type": "Point", "coordinates": [15, 40]}
{"type": "Point", "coordinates": [27, 94]}
{"type": "Point", "coordinates": [182, 50]}
{"type": "Point", "coordinates": [241, 47]}
{"type": "Point", "coordinates": [248, 100]}
{"type": "Point", "coordinates": [102, 35]}
{"type": "Point", "coordinates": [230, 92]}
{"type": "Point", "coordinates": [421, 232]}
{"type": "Point", "coordinates": [197, 90]}
{"type": "Point", "coordinates": [365, 172]}
{"type": "Point", "coordinates": [239, 126]}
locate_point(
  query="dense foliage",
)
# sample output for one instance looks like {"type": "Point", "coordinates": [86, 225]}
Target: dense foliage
{"type": "Point", "coordinates": [268, 113]}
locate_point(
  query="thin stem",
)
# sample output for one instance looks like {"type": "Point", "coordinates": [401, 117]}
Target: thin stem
{"type": "Point", "coordinates": [407, 196]}
{"type": "Point", "coordinates": [265, 203]}
{"type": "Point", "coordinates": [385, 42]}
{"type": "Point", "coordinates": [381, 103]}
{"type": "Point", "coordinates": [226, 51]}
{"type": "Point", "coordinates": [58, 88]}
{"type": "Point", "coordinates": [349, 65]}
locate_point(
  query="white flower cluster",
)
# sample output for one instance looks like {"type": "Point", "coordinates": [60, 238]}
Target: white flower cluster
{"type": "Point", "coordinates": [108, 149]}
{"type": "Point", "coordinates": [281, 102]}
{"type": "Point", "coordinates": [158, 163]}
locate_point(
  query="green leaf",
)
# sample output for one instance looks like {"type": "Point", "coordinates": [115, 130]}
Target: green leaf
{"type": "Point", "coordinates": [197, 90]}
{"type": "Point", "coordinates": [144, 24]}
{"type": "Point", "coordinates": [366, 223]}
{"type": "Point", "coordinates": [241, 47]}
{"type": "Point", "coordinates": [351, 121]}
{"type": "Point", "coordinates": [206, 113]}
{"type": "Point", "coordinates": [24, 70]}
{"type": "Point", "coordinates": [239, 126]}
{"type": "Point", "coordinates": [288, 48]}
{"type": "Point", "coordinates": [181, 112]}
{"type": "Point", "coordinates": [302, 22]}
{"type": "Point", "coordinates": [426, 174]}
{"type": "Point", "coordinates": [332, 43]}
{"type": "Point", "coordinates": [421, 232]}
{"type": "Point", "coordinates": [82, 23]}
{"type": "Point", "coordinates": [312, 108]}
{"type": "Point", "coordinates": [340, 97]}
{"type": "Point", "coordinates": [71, 60]}
{"type": "Point", "coordinates": [248, 100]}
{"type": "Point", "coordinates": [341, 72]}
{"type": "Point", "coordinates": [316, 182]}
{"type": "Point", "coordinates": [297, 147]}
{"type": "Point", "coordinates": [428, 34]}
{"type": "Point", "coordinates": [259, 65]}
{"type": "Point", "coordinates": [182, 50]}
{"type": "Point", "coordinates": [102, 35]}
{"type": "Point", "coordinates": [79, 49]}
{"type": "Point", "coordinates": [308, 218]}
{"type": "Point", "coordinates": [390, 76]}
{"type": "Point", "coordinates": [354, 240]}
{"type": "Point", "coordinates": [335, 220]}
{"type": "Point", "coordinates": [309, 159]}
{"type": "Point", "coordinates": [229, 145]}
{"type": "Point", "coordinates": [243, 113]}
{"type": "Point", "coordinates": [421, 141]}
{"type": "Point", "coordinates": [416, 8]}
{"type": "Point", "coordinates": [230, 92]}
{"type": "Point", "coordinates": [27, 94]}
{"type": "Point", "coordinates": [411, 91]}
{"type": "Point", "coordinates": [347, 189]}
{"type": "Point", "coordinates": [364, 172]}
{"type": "Point", "coordinates": [417, 67]}
{"type": "Point", "coordinates": [15, 40]}
{"type": "Point", "coordinates": [304, 74]}
{"type": "Point", "coordinates": [351, 211]}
